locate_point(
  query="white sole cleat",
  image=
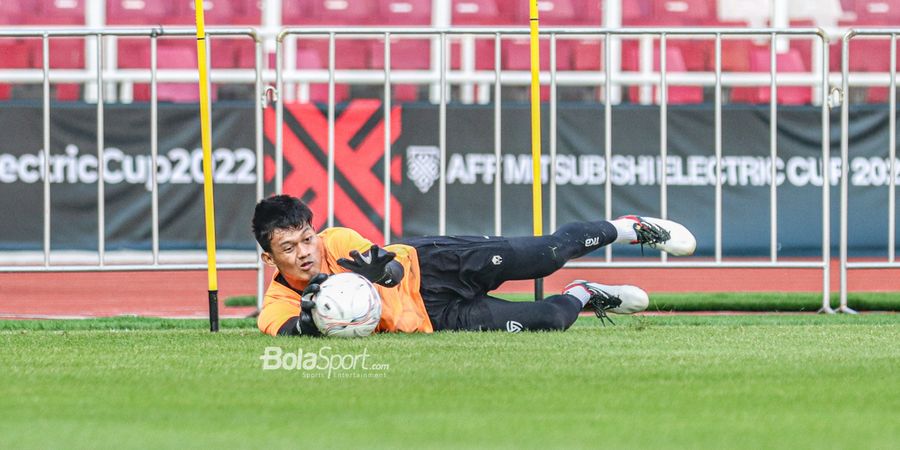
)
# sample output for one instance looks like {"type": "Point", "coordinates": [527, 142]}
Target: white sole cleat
{"type": "Point", "coordinates": [663, 235]}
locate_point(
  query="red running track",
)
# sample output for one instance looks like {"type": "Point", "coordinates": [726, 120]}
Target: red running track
{"type": "Point", "coordinates": [184, 294]}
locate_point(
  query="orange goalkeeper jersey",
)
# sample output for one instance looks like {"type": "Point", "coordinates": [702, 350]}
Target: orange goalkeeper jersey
{"type": "Point", "coordinates": [402, 308]}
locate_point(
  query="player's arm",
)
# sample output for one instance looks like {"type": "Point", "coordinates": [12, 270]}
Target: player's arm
{"type": "Point", "coordinates": [303, 324]}
{"type": "Point", "coordinates": [376, 264]}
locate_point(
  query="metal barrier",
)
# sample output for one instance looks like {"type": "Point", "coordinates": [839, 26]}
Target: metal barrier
{"type": "Point", "coordinates": [443, 78]}
{"type": "Point", "coordinates": [100, 75]}
{"type": "Point", "coordinates": [817, 79]}
{"type": "Point", "coordinates": [846, 81]}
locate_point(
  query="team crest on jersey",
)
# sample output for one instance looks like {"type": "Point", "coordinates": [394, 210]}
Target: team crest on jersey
{"type": "Point", "coordinates": [423, 166]}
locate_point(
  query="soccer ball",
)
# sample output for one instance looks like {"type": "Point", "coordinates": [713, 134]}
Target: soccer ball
{"type": "Point", "coordinates": [347, 305]}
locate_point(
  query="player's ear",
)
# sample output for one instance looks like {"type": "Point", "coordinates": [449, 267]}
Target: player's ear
{"type": "Point", "coordinates": [267, 258]}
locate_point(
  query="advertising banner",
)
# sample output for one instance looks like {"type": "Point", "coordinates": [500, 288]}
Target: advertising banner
{"type": "Point", "coordinates": [636, 172]}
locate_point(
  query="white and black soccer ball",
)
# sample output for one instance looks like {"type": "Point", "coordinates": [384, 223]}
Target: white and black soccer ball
{"type": "Point", "coordinates": [347, 305]}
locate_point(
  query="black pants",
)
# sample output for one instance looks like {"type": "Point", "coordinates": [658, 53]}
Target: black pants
{"type": "Point", "coordinates": [457, 272]}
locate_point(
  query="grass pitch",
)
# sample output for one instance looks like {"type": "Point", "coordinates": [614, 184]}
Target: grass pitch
{"type": "Point", "coordinates": [776, 381]}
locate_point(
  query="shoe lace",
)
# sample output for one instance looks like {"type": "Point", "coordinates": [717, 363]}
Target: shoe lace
{"type": "Point", "coordinates": [650, 234]}
{"type": "Point", "coordinates": [601, 301]}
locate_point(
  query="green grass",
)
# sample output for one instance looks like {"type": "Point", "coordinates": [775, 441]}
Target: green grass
{"type": "Point", "coordinates": [795, 381]}
{"type": "Point", "coordinates": [725, 301]}
{"type": "Point", "coordinates": [755, 301]}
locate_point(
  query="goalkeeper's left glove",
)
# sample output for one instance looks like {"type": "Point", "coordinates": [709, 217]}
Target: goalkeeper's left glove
{"type": "Point", "coordinates": [305, 323]}
{"type": "Point", "coordinates": [376, 264]}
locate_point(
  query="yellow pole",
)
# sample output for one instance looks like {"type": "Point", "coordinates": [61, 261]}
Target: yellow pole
{"type": "Point", "coordinates": [537, 206]}
{"type": "Point", "coordinates": [206, 139]}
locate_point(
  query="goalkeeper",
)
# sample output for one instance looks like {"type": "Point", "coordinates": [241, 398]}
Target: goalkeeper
{"type": "Point", "coordinates": [442, 283]}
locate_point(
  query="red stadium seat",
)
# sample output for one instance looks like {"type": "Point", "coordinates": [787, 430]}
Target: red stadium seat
{"type": "Point", "coordinates": [13, 11]}
{"type": "Point", "coordinates": [65, 53]}
{"type": "Point", "coordinates": [344, 12]}
{"type": "Point", "coordinates": [588, 55]}
{"type": "Point", "coordinates": [406, 54]}
{"type": "Point", "coordinates": [697, 53]}
{"type": "Point", "coordinates": [405, 12]}
{"type": "Point", "coordinates": [348, 53]}
{"type": "Point", "coordinates": [57, 12]}
{"type": "Point", "coordinates": [17, 54]}
{"type": "Point", "coordinates": [141, 12]}
{"type": "Point", "coordinates": [484, 54]}
{"type": "Point", "coordinates": [674, 63]}
{"type": "Point", "coordinates": [309, 58]}
{"type": "Point", "coordinates": [678, 12]}
{"type": "Point", "coordinates": [869, 55]}
{"type": "Point", "coordinates": [219, 12]}
{"type": "Point", "coordinates": [637, 11]}
{"type": "Point", "coordinates": [877, 12]}
{"type": "Point", "coordinates": [551, 12]}
{"type": "Point", "coordinates": [171, 54]}
{"type": "Point", "coordinates": [478, 12]}
{"type": "Point", "coordinates": [296, 13]}
{"type": "Point", "coordinates": [516, 55]}
{"type": "Point", "coordinates": [791, 61]}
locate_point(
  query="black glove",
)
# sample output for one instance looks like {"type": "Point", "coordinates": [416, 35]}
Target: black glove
{"type": "Point", "coordinates": [376, 264]}
{"type": "Point", "coordinates": [305, 324]}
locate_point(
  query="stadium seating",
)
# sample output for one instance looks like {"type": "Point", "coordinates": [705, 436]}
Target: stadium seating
{"type": "Point", "coordinates": [294, 13]}
{"type": "Point", "coordinates": [478, 12]}
{"type": "Point", "coordinates": [516, 55]}
{"type": "Point", "coordinates": [684, 12]}
{"type": "Point", "coordinates": [58, 12]}
{"type": "Point", "coordinates": [674, 63]}
{"type": "Point", "coordinates": [551, 12]}
{"type": "Point", "coordinates": [12, 11]}
{"type": "Point", "coordinates": [66, 53]}
{"type": "Point", "coordinates": [405, 12]}
{"type": "Point", "coordinates": [171, 54]}
{"type": "Point", "coordinates": [637, 11]}
{"type": "Point", "coordinates": [876, 12]}
{"type": "Point", "coordinates": [220, 12]}
{"type": "Point", "coordinates": [141, 12]}
{"type": "Point", "coordinates": [344, 12]}
{"type": "Point", "coordinates": [17, 54]}
{"type": "Point", "coordinates": [484, 54]}
{"type": "Point", "coordinates": [790, 61]}
{"type": "Point", "coordinates": [349, 54]}
{"type": "Point", "coordinates": [308, 58]}
{"type": "Point", "coordinates": [588, 55]}
{"type": "Point", "coordinates": [406, 54]}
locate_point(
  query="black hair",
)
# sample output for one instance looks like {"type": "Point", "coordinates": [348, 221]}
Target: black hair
{"type": "Point", "coordinates": [279, 211]}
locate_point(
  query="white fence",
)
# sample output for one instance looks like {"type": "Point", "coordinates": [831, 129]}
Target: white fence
{"type": "Point", "coordinates": [441, 78]}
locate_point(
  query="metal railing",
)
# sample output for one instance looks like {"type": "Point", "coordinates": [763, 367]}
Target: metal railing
{"type": "Point", "coordinates": [100, 75]}
{"type": "Point", "coordinates": [846, 78]}
{"type": "Point", "coordinates": [817, 79]}
{"type": "Point", "coordinates": [442, 76]}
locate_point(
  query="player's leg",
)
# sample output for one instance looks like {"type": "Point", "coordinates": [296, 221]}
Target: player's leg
{"type": "Point", "coordinates": [487, 313]}
{"type": "Point", "coordinates": [540, 256]}
{"type": "Point", "coordinates": [557, 312]}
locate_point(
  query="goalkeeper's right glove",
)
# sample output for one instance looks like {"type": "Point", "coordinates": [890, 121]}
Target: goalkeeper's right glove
{"type": "Point", "coordinates": [305, 323]}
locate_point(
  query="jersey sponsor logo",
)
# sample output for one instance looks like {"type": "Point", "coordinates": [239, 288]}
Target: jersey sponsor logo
{"type": "Point", "coordinates": [513, 327]}
{"type": "Point", "coordinates": [497, 260]}
{"type": "Point", "coordinates": [423, 166]}
{"type": "Point", "coordinates": [590, 242]}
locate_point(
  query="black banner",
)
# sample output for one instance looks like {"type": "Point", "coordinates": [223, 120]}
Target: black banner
{"type": "Point", "coordinates": [636, 171]}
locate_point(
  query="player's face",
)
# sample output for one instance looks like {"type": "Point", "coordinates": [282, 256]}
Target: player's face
{"type": "Point", "coordinates": [296, 254]}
